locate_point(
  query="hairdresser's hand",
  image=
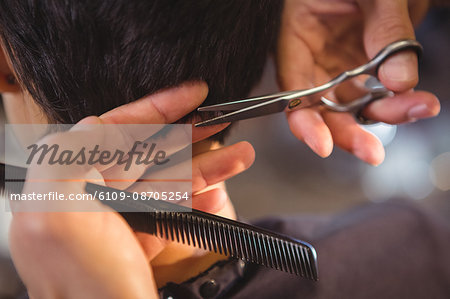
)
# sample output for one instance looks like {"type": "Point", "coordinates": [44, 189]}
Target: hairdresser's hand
{"type": "Point", "coordinates": [96, 254]}
{"type": "Point", "coordinates": [319, 39]}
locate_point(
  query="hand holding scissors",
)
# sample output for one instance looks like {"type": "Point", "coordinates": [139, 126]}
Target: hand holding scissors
{"type": "Point", "coordinates": [298, 99]}
{"type": "Point", "coordinates": [306, 98]}
{"type": "Point", "coordinates": [320, 39]}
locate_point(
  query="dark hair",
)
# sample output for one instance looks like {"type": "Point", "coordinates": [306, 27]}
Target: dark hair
{"type": "Point", "coordinates": [79, 58]}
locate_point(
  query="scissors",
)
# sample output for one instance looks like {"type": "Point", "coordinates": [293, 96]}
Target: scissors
{"type": "Point", "coordinates": [298, 99]}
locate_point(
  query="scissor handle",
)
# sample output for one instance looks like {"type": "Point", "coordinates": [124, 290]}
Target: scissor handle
{"type": "Point", "coordinates": [357, 106]}
{"type": "Point", "coordinates": [296, 100]}
{"type": "Point", "coordinates": [376, 89]}
{"type": "Point", "coordinates": [371, 68]}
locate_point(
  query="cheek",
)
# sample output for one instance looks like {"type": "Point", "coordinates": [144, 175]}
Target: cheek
{"type": "Point", "coordinates": [21, 109]}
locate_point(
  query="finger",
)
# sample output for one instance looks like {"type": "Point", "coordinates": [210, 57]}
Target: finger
{"type": "Point", "coordinates": [405, 107]}
{"type": "Point", "coordinates": [296, 70]}
{"type": "Point", "coordinates": [122, 176]}
{"type": "Point", "coordinates": [386, 22]}
{"type": "Point", "coordinates": [174, 140]}
{"type": "Point", "coordinates": [295, 62]}
{"type": "Point", "coordinates": [200, 133]}
{"type": "Point", "coordinates": [155, 152]}
{"type": "Point", "coordinates": [163, 107]}
{"type": "Point", "coordinates": [350, 136]}
{"type": "Point", "coordinates": [308, 125]}
{"type": "Point", "coordinates": [213, 199]}
{"type": "Point", "coordinates": [63, 147]}
{"type": "Point", "coordinates": [112, 146]}
{"type": "Point", "coordinates": [210, 201]}
{"type": "Point", "coordinates": [208, 168]}
{"type": "Point", "coordinates": [215, 166]}
{"type": "Point", "coordinates": [350, 90]}
{"type": "Point", "coordinates": [154, 108]}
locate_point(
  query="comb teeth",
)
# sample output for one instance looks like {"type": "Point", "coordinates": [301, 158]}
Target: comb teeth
{"type": "Point", "coordinates": [231, 240]}
{"type": "Point", "coordinates": [203, 230]}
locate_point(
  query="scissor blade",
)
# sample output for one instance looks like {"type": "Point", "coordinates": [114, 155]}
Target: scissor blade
{"type": "Point", "coordinates": [261, 109]}
{"type": "Point", "coordinates": [241, 104]}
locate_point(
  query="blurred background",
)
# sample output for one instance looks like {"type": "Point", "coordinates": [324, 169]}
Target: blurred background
{"type": "Point", "coordinates": [287, 178]}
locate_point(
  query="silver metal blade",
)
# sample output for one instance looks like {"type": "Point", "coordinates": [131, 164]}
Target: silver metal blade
{"type": "Point", "coordinates": [241, 104]}
{"type": "Point", "coordinates": [261, 109]}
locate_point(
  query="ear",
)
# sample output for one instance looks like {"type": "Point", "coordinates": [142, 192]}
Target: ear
{"type": "Point", "coordinates": [8, 82]}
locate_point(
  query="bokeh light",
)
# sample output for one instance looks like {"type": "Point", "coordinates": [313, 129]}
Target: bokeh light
{"type": "Point", "coordinates": [440, 171]}
{"type": "Point", "coordinates": [384, 132]}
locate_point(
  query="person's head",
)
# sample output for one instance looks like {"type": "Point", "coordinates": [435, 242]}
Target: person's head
{"type": "Point", "coordinates": [78, 58]}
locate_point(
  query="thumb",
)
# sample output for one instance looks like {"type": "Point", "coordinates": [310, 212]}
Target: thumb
{"type": "Point", "coordinates": [386, 22]}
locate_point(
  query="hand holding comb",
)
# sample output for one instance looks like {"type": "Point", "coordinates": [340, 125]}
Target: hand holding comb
{"type": "Point", "coordinates": [207, 231]}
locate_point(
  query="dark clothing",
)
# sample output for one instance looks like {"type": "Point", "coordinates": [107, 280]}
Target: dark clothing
{"type": "Point", "coordinates": [395, 249]}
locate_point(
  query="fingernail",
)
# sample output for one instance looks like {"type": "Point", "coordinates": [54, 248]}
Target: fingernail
{"type": "Point", "coordinates": [373, 158]}
{"type": "Point", "coordinates": [360, 154]}
{"type": "Point", "coordinates": [321, 149]}
{"type": "Point", "coordinates": [400, 68]}
{"type": "Point", "coordinates": [419, 111]}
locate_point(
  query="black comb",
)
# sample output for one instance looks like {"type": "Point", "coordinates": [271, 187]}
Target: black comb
{"type": "Point", "coordinates": [207, 231]}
